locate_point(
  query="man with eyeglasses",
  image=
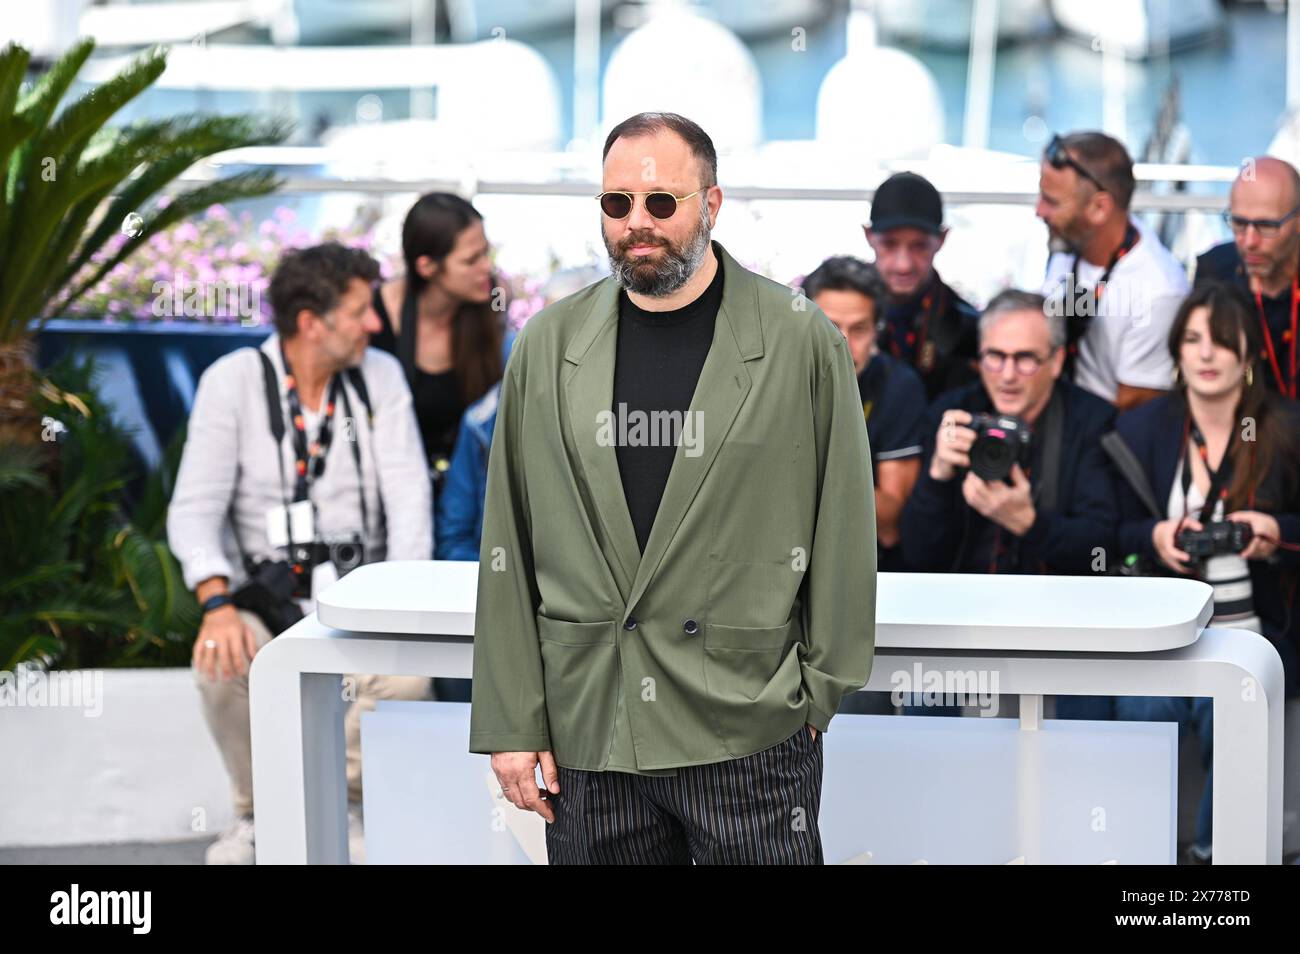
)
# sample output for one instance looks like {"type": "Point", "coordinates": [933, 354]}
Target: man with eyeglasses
{"type": "Point", "coordinates": [677, 570]}
{"type": "Point", "coordinates": [926, 323]}
{"type": "Point", "coordinates": [1109, 276]}
{"type": "Point", "coordinates": [1264, 260]}
{"type": "Point", "coordinates": [1050, 516]}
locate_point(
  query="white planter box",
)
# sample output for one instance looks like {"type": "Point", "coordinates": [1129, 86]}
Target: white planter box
{"type": "Point", "coordinates": [132, 760]}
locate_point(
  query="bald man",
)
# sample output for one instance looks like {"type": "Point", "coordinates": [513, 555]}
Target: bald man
{"type": "Point", "coordinates": [1264, 259]}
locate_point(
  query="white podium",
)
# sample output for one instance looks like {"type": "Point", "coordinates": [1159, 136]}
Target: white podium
{"type": "Point", "coordinates": [1040, 635]}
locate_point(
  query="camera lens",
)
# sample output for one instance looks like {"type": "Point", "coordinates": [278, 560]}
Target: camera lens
{"type": "Point", "coordinates": [991, 457]}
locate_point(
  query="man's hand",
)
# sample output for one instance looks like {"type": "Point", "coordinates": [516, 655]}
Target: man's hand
{"type": "Point", "coordinates": [1009, 507]}
{"type": "Point", "coordinates": [233, 644]}
{"type": "Point", "coordinates": [952, 444]}
{"type": "Point", "coordinates": [517, 773]}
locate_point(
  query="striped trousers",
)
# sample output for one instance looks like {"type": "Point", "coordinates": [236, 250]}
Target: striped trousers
{"type": "Point", "coordinates": [760, 809]}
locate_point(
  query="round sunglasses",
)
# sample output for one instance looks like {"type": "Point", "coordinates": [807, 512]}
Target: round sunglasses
{"type": "Point", "coordinates": [662, 205]}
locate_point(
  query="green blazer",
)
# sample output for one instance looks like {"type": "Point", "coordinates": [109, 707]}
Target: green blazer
{"type": "Point", "coordinates": [752, 610]}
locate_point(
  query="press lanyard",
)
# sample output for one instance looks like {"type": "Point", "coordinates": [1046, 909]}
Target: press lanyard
{"type": "Point", "coordinates": [1218, 478]}
{"type": "Point", "coordinates": [309, 459]}
{"type": "Point", "coordinates": [1130, 240]}
{"type": "Point", "coordinates": [1268, 340]}
{"type": "Point", "coordinates": [924, 350]}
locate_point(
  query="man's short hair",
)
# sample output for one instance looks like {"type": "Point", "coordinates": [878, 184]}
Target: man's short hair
{"type": "Point", "coordinates": [315, 278]}
{"type": "Point", "coordinates": [1013, 299]}
{"type": "Point", "coordinates": [846, 273]}
{"type": "Point", "coordinates": [1107, 159]}
{"type": "Point", "coordinates": [647, 124]}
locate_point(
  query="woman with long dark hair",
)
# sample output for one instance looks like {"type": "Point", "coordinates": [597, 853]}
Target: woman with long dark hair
{"type": "Point", "coordinates": [1219, 454]}
{"type": "Point", "coordinates": [444, 319]}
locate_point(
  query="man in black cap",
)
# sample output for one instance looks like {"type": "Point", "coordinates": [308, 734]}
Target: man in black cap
{"type": "Point", "coordinates": [1263, 259]}
{"type": "Point", "coordinates": [926, 323]}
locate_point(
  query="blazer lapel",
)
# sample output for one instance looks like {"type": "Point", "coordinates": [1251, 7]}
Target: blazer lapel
{"type": "Point", "coordinates": [588, 391]}
{"type": "Point", "coordinates": [722, 389]}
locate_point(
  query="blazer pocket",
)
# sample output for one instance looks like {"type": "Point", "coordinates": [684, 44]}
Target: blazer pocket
{"type": "Point", "coordinates": [581, 676]}
{"type": "Point", "coordinates": [751, 675]}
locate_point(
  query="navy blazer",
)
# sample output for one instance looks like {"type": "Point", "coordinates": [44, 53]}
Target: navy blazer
{"type": "Point", "coordinates": [1154, 432]}
{"type": "Point", "coordinates": [939, 527]}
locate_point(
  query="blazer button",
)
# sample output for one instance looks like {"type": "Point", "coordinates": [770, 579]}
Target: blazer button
{"type": "Point", "coordinates": [690, 627]}
{"type": "Point", "coordinates": [630, 624]}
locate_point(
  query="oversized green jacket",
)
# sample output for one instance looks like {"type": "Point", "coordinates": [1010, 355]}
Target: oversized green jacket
{"type": "Point", "coordinates": [751, 611]}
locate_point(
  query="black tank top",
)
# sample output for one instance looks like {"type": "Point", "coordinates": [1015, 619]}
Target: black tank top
{"type": "Point", "coordinates": [438, 405]}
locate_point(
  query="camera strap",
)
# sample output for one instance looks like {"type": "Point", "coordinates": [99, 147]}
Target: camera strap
{"type": "Point", "coordinates": [1077, 325]}
{"type": "Point", "coordinates": [1218, 478]}
{"type": "Point", "coordinates": [1130, 469]}
{"type": "Point", "coordinates": [1049, 462]}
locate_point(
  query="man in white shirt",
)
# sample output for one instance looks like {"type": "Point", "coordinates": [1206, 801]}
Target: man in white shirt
{"type": "Point", "coordinates": [348, 468]}
{"type": "Point", "coordinates": [1113, 280]}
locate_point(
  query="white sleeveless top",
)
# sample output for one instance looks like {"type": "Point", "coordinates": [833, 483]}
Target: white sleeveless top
{"type": "Point", "coordinates": [1227, 573]}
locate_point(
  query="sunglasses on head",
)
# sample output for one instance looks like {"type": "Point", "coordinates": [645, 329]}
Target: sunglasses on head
{"type": "Point", "coordinates": [662, 205]}
{"type": "Point", "coordinates": [1058, 158]}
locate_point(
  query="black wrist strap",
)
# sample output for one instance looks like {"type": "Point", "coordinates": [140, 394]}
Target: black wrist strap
{"type": "Point", "coordinates": [216, 602]}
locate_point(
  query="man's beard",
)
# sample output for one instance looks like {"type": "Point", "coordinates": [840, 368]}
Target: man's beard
{"type": "Point", "coordinates": [658, 279]}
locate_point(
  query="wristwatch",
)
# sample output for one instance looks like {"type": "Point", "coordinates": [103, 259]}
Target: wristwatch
{"type": "Point", "coordinates": [216, 602]}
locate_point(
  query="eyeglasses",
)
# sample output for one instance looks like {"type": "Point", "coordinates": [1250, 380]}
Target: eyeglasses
{"type": "Point", "coordinates": [1058, 158]}
{"type": "Point", "coordinates": [662, 205]}
{"type": "Point", "coordinates": [1267, 228]}
{"type": "Point", "coordinates": [1026, 362]}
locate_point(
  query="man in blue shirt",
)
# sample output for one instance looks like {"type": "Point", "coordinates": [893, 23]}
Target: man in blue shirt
{"type": "Point", "coordinates": [852, 294]}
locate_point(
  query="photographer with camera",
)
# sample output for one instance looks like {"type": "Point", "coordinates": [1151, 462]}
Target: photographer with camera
{"type": "Point", "coordinates": [1215, 494]}
{"type": "Point", "coordinates": [1014, 479]}
{"type": "Point", "coordinates": [302, 460]}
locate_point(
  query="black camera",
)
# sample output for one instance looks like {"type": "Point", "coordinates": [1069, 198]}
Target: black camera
{"type": "Point", "coordinates": [269, 594]}
{"type": "Point", "coordinates": [1001, 441]}
{"type": "Point", "coordinates": [1218, 537]}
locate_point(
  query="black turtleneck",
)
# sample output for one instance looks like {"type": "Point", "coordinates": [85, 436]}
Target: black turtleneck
{"type": "Point", "coordinates": [659, 358]}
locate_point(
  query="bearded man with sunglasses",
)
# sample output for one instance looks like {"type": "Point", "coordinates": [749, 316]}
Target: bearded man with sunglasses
{"type": "Point", "coordinates": [669, 615]}
{"type": "Point", "coordinates": [1263, 259]}
{"type": "Point", "coordinates": [1116, 285]}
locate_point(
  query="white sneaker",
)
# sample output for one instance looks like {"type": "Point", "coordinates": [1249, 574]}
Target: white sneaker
{"type": "Point", "coordinates": [235, 844]}
{"type": "Point", "coordinates": [356, 836]}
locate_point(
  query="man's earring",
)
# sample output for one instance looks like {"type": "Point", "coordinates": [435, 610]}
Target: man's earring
{"type": "Point", "coordinates": [1250, 375]}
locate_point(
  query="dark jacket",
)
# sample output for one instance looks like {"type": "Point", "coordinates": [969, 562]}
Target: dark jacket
{"type": "Point", "coordinates": [941, 531]}
{"type": "Point", "coordinates": [1154, 432]}
{"type": "Point", "coordinates": [949, 323]}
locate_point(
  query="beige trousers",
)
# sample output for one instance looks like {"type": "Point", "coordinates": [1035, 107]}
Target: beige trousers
{"type": "Point", "coordinates": [225, 707]}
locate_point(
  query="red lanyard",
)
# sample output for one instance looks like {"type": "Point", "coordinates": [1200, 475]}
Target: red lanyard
{"type": "Point", "coordinates": [923, 350]}
{"type": "Point", "coordinates": [1268, 340]}
{"type": "Point", "coordinates": [1218, 478]}
{"type": "Point", "coordinates": [1131, 238]}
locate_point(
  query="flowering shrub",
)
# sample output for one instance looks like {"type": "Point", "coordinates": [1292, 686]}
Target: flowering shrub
{"type": "Point", "coordinates": [218, 268]}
